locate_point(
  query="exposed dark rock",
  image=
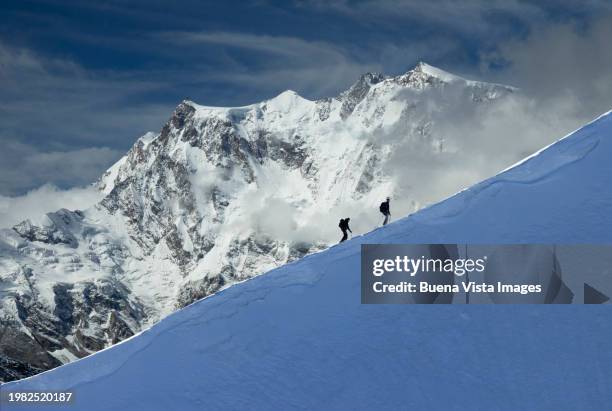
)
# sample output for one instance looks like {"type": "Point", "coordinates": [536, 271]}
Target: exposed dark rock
{"type": "Point", "coordinates": [195, 290]}
{"type": "Point", "coordinates": [64, 306]}
{"type": "Point", "coordinates": [20, 355]}
{"type": "Point", "coordinates": [357, 92]}
{"type": "Point", "coordinates": [117, 329]}
{"type": "Point", "coordinates": [56, 232]}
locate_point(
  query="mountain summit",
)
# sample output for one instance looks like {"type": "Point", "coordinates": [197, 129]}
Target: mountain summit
{"type": "Point", "coordinates": [220, 195]}
{"type": "Point", "coordinates": [432, 71]}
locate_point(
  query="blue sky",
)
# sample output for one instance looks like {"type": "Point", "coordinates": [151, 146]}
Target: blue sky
{"type": "Point", "coordinates": [82, 80]}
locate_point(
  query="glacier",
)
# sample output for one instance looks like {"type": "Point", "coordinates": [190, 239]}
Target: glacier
{"type": "Point", "coordinates": [298, 337]}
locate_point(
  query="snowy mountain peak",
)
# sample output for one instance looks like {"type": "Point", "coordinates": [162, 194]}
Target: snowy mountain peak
{"type": "Point", "coordinates": [432, 71]}
{"type": "Point", "coordinates": [288, 94]}
{"type": "Point", "coordinates": [287, 101]}
{"type": "Point", "coordinates": [218, 195]}
{"type": "Point", "coordinates": [424, 75]}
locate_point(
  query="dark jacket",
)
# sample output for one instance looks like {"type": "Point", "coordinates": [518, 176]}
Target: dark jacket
{"type": "Point", "coordinates": [385, 208]}
{"type": "Point", "coordinates": [344, 224]}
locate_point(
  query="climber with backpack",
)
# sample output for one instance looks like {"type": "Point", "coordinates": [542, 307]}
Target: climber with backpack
{"type": "Point", "coordinates": [385, 209]}
{"type": "Point", "coordinates": [344, 225]}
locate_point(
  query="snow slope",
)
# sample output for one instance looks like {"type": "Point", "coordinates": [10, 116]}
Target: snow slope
{"type": "Point", "coordinates": [298, 337]}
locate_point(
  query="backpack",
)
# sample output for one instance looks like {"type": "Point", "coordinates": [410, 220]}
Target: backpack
{"type": "Point", "coordinates": [384, 207]}
{"type": "Point", "coordinates": [342, 222]}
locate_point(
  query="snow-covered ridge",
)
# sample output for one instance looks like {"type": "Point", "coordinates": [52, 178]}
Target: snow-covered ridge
{"type": "Point", "coordinates": [436, 72]}
{"type": "Point", "coordinates": [289, 99]}
{"type": "Point", "coordinates": [217, 196]}
{"type": "Point", "coordinates": [298, 337]}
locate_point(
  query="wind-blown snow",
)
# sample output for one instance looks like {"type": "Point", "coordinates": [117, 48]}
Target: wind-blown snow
{"type": "Point", "coordinates": [298, 336]}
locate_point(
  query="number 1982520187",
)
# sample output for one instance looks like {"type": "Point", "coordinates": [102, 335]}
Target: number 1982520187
{"type": "Point", "coordinates": [36, 396]}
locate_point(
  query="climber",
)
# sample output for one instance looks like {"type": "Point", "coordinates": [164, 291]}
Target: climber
{"type": "Point", "coordinates": [385, 209]}
{"type": "Point", "coordinates": [344, 225]}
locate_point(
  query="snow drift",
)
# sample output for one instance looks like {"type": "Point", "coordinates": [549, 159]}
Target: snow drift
{"type": "Point", "coordinates": [298, 336]}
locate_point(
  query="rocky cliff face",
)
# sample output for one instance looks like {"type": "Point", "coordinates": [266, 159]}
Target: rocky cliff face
{"type": "Point", "coordinates": [217, 196]}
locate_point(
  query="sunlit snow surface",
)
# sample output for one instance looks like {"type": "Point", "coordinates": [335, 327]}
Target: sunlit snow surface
{"type": "Point", "coordinates": [298, 337]}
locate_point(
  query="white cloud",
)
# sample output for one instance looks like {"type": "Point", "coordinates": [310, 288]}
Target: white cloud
{"type": "Point", "coordinates": [58, 119]}
{"type": "Point", "coordinates": [44, 199]}
{"type": "Point", "coordinates": [564, 67]}
{"type": "Point", "coordinates": [25, 166]}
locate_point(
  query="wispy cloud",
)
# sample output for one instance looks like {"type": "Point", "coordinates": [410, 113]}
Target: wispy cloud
{"type": "Point", "coordinates": [277, 63]}
{"type": "Point", "coordinates": [50, 97]}
{"type": "Point", "coordinates": [23, 166]}
{"type": "Point", "coordinates": [485, 18]}
{"type": "Point", "coordinates": [448, 12]}
{"type": "Point", "coordinates": [58, 120]}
